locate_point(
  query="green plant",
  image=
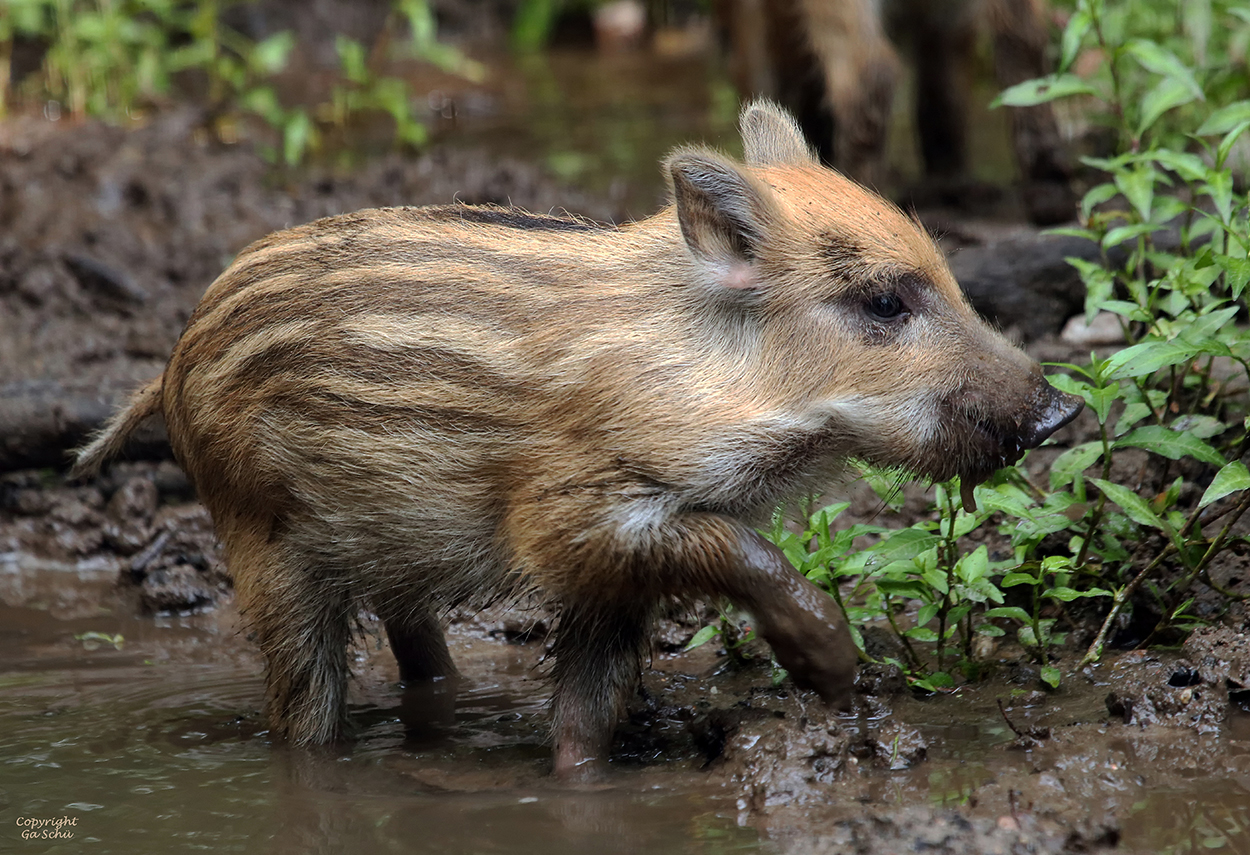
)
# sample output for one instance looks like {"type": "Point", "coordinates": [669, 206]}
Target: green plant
{"type": "Point", "coordinates": [1171, 221]}
{"type": "Point", "coordinates": [1171, 211]}
{"type": "Point", "coordinates": [115, 58]}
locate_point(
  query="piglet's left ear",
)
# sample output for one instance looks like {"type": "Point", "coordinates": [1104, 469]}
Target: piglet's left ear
{"type": "Point", "coordinates": [726, 215]}
{"type": "Point", "coordinates": [770, 135]}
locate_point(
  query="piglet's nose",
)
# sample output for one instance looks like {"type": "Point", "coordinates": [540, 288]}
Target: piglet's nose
{"type": "Point", "coordinates": [1052, 410]}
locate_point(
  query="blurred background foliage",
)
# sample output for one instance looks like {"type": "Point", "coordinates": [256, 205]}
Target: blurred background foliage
{"type": "Point", "coordinates": [116, 59]}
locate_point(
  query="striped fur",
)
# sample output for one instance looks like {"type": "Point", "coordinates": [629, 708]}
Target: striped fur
{"type": "Point", "coordinates": [413, 408]}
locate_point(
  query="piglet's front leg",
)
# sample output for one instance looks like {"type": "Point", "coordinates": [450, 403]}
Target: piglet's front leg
{"type": "Point", "coordinates": [804, 626]}
{"type": "Point", "coordinates": [605, 624]}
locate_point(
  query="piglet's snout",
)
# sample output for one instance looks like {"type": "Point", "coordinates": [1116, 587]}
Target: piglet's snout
{"type": "Point", "coordinates": [1052, 410]}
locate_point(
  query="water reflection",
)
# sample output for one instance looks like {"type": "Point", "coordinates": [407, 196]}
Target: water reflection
{"type": "Point", "coordinates": [160, 747]}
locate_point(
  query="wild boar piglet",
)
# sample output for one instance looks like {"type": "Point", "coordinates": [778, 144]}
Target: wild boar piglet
{"type": "Point", "coordinates": [413, 409]}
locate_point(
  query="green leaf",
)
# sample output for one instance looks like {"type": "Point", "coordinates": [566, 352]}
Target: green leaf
{"type": "Point", "coordinates": [1009, 501]}
{"type": "Point", "coordinates": [1132, 311]}
{"type": "Point", "coordinates": [973, 566]}
{"type": "Point", "coordinates": [1043, 90]}
{"type": "Point", "coordinates": [904, 545]}
{"type": "Point", "coordinates": [1211, 323]}
{"type": "Point", "coordinates": [1014, 612]}
{"type": "Point", "coordinates": [263, 101]}
{"type": "Point", "coordinates": [269, 56]}
{"type": "Point", "coordinates": [1188, 166]}
{"type": "Point", "coordinates": [1120, 234]}
{"type": "Point", "coordinates": [1072, 231]}
{"type": "Point", "coordinates": [1154, 57]}
{"type": "Point", "coordinates": [1225, 119]}
{"type": "Point", "coordinates": [1099, 284]}
{"type": "Point", "coordinates": [921, 633]}
{"type": "Point", "coordinates": [1056, 564]}
{"type": "Point", "coordinates": [1226, 144]}
{"type": "Point", "coordinates": [1147, 357]}
{"type": "Point", "coordinates": [352, 59]}
{"type": "Point", "coordinates": [1133, 413]}
{"type": "Point", "coordinates": [886, 484]}
{"type": "Point", "coordinates": [1051, 676]}
{"type": "Point", "coordinates": [1236, 272]}
{"type": "Point", "coordinates": [1166, 94]}
{"type": "Point", "coordinates": [1170, 444]}
{"type": "Point", "coordinates": [936, 580]}
{"type": "Point", "coordinates": [296, 136]}
{"type": "Point", "coordinates": [1073, 35]}
{"type": "Point", "coordinates": [533, 23]}
{"type": "Point", "coordinates": [1094, 197]}
{"type": "Point", "coordinates": [1138, 186]}
{"type": "Point", "coordinates": [1011, 580]}
{"type": "Point", "coordinates": [912, 589]}
{"type": "Point", "coordinates": [954, 616]}
{"type": "Point", "coordinates": [927, 613]}
{"type": "Point", "coordinates": [829, 512]}
{"type": "Point", "coordinates": [1067, 466]}
{"type": "Point", "coordinates": [1132, 504]}
{"type": "Point", "coordinates": [1231, 479]}
{"type": "Point", "coordinates": [935, 682]}
{"type": "Point", "coordinates": [1219, 186]}
{"type": "Point", "coordinates": [703, 636]}
{"type": "Point", "coordinates": [1203, 427]}
{"type": "Point", "coordinates": [1063, 594]}
{"type": "Point", "coordinates": [1101, 399]}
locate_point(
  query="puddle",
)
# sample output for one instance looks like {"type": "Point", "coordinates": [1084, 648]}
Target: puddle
{"type": "Point", "coordinates": [159, 746]}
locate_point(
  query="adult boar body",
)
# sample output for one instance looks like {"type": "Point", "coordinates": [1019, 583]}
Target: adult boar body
{"type": "Point", "coordinates": [414, 408]}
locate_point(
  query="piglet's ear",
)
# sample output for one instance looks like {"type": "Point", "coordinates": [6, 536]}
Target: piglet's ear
{"type": "Point", "coordinates": [770, 135]}
{"type": "Point", "coordinates": [725, 214]}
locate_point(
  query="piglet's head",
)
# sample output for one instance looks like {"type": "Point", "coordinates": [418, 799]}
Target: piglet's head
{"type": "Point", "coordinates": [846, 318]}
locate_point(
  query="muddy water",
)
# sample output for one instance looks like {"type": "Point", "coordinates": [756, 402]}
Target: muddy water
{"type": "Point", "coordinates": [158, 747]}
{"type": "Point", "coordinates": [1169, 790]}
{"type": "Point", "coordinates": [155, 743]}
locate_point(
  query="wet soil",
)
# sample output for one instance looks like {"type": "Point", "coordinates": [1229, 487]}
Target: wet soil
{"type": "Point", "coordinates": [130, 698]}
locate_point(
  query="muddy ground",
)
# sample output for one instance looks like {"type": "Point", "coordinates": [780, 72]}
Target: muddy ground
{"type": "Point", "coordinates": [107, 239]}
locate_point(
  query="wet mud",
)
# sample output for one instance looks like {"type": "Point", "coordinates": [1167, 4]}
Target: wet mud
{"type": "Point", "coordinates": [130, 697]}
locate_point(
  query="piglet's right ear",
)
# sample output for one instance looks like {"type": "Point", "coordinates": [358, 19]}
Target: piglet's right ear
{"type": "Point", "coordinates": [725, 214]}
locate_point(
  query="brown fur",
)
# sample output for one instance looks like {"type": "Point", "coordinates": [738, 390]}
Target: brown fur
{"type": "Point", "coordinates": [416, 408]}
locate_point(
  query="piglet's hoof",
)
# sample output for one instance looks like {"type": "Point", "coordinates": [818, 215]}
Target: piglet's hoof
{"type": "Point", "coordinates": [816, 648]}
{"type": "Point", "coordinates": [828, 671]}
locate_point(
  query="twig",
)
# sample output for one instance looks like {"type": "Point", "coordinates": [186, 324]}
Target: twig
{"type": "Point", "coordinates": [1122, 596]}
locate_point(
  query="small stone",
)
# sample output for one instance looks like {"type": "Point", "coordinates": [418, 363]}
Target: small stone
{"type": "Point", "coordinates": [1103, 329]}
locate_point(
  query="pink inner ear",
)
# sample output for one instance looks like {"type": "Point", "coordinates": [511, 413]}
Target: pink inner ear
{"type": "Point", "coordinates": [740, 276]}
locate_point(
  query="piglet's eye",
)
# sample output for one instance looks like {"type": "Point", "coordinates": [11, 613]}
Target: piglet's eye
{"type": "Point", "coordinates": [885, 307]}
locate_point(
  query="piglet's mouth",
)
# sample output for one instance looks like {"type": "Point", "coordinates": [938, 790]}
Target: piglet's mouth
{"type": "Point", "coordinates": [1004, 444]}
